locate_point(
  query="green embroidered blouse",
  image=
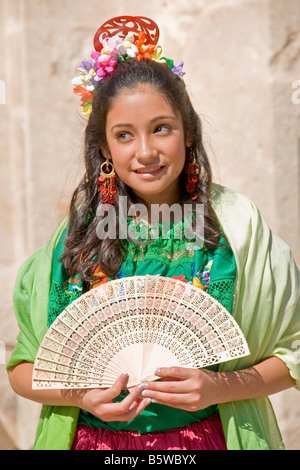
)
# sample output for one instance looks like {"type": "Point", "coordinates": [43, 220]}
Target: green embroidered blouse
{"type": "Point", "coordinates": [170, 256]}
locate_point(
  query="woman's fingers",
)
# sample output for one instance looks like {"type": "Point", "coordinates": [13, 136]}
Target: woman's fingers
{"type": "Point", "coordinates": [181, 401]}
{"type": "Point", "coordinates": [124, 410]}
{"type": "Point", "coordinates": [115, 390]}
{"type": "Point", "coordinates": [173, 380]}
{"type": "Point", "coordinates": [99, 402]}
{"type": "Point", "coordinates": [179, 387]}
{"type": "Point", "coordinates": [181, 373]}
{"type": "Point", "coordinates": [183, 398]}
{"type": "Point", "coordinates": [186, 388]}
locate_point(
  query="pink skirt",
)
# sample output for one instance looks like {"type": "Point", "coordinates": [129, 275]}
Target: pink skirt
{"type": "Point", "coordinates": [204, 435]}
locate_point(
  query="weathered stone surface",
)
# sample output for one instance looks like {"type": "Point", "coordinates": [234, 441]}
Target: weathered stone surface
{"type": "Point", "coordinates": [241, 59]}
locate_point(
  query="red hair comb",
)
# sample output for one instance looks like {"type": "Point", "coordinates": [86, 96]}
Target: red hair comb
{"type": "Point", "coordinates": [122, 25]}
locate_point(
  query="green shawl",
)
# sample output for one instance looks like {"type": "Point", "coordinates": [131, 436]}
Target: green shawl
{"type": "Point", "coordinates": [266, 306]}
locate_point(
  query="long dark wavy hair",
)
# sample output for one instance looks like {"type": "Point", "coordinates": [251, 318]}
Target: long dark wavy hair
{"type": "Point", "coordinates": [84, 251]}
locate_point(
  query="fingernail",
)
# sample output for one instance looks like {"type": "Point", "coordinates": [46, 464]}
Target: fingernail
{"type": "Point", "coordinates": [145, 393]}
{"type": "Point", "coordinates": [149, 401]}
{"type": "Point", "coordinates": [143, 385]}
{"type": "Point", "coordinates": [157, 371]}
{"type": "Point", "coordinates": [124, 375]}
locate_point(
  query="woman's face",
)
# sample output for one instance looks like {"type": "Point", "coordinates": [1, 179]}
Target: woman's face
{"type": "Point", "coordinates": [147, 145]}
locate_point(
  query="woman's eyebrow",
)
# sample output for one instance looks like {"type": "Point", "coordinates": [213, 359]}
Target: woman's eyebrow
{"type": "Point", "coordinates": [155, 119]}
{"type": "Point", "coordinates": [116, 126]}
{"type": "Point", "coordinates": [162, 118]}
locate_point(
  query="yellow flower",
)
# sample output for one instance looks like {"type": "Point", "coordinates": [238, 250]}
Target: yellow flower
{"type": "Point", "coordinates": [87, 109]}
{"type": "Point", "coordinates": [156, 55]}
{"type": "Point", "coordinates": [196, 282]}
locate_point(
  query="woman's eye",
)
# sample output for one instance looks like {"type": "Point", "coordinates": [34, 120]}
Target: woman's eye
{"type": "Point", "coordinates": [123, 135]}
{"type": "Point", "coordinates": [162, 128]}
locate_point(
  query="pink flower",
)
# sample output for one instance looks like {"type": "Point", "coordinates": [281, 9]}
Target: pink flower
{"type": "Point", "coordinates": [111, 44]}
{"type": "Point", "coordinates": [105, 62]}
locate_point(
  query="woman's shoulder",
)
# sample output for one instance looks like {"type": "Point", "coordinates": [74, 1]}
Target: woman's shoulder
{"type": "Point", "coordinates": [235, 210]}
{"type": "Point", "coordinates": [240, 219]}
{"type": "Point", "coordinates": [222, 197]}
{"type": "Point", "coordinates": [244, 224]}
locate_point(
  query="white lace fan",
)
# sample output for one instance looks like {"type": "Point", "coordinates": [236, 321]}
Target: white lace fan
{"type": "Point", "coordinates": [134, 325]}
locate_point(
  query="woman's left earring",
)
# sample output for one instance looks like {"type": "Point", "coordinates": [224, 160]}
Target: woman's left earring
{"type": "Point", "coordinates": [106, 181]}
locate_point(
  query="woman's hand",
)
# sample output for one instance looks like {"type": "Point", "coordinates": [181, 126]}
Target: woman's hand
{"type": "Point", "coordinates": [96, 401]}
{"type": "Point", "coordinates": [196, 389]}
{"type": "Point", "coordinates": [184, 388]}
{"type": "Point", "coordinates": [99, 401]}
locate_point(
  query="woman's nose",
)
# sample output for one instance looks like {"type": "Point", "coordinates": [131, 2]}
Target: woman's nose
{"type": "Point", "coordinates": [146, 151]}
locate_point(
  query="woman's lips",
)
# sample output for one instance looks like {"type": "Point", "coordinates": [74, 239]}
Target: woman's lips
{"type": "Point", "coordinates": [150, 171]}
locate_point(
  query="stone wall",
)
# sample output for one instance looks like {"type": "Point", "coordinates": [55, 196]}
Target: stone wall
{"type": "Point", "coordinates": [241, 58]}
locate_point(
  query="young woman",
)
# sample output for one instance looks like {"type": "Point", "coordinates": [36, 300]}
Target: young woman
{"type": "Point", "coordinates": [144, 140]}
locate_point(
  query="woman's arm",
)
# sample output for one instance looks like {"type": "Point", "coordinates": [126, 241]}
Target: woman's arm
{"type": "Point", "coordinates": [20, 378]}
{"type": "Point", "coordinates": [96, 401]}
{"type": "Point", "coordinates": [193, 389]}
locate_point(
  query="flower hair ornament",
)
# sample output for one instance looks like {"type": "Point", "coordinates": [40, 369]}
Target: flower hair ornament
{"type": "Point", "coordinates": [118, 40]}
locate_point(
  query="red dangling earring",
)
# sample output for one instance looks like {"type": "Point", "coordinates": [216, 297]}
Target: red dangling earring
{"type": "Point", "coordinates": [107, 180]}
{"type": "Point", "coordinates": [192, 170]}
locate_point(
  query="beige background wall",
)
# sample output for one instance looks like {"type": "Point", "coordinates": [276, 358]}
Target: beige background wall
{"type": "Point", "coordinates": [241, 58]}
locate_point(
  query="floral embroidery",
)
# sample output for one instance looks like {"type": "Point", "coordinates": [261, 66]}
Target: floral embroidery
{"type": "Point", "coordinates": [120, 274]}
{"type": "Point", "coordinates": [180, 278]}
{"type": "Point", "coordinates": [101, 275]}
{"type": "Point", "coordinates": [72, 286]}
{"type": "Point", "coordinates": [201, 279]}
{"type": "Point", "coordinates": [196, 282]}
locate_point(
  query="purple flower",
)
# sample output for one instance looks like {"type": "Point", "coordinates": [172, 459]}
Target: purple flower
{"type": "Point", "coordinates": [86, 65]}
{"type": "Point", "coordinates": [178, 69]}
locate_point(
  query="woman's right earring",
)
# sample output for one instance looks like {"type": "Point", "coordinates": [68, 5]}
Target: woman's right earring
{"type": "Point", "coordinates": [107, 180]}
{"type": "Point", "coordinates": [192, 171]}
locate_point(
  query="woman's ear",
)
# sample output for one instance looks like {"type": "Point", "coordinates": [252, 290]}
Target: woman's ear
{"type": "Point", "coordinates": [188, 141]}
{"type": "Point", "coordinates": [105, 152]}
